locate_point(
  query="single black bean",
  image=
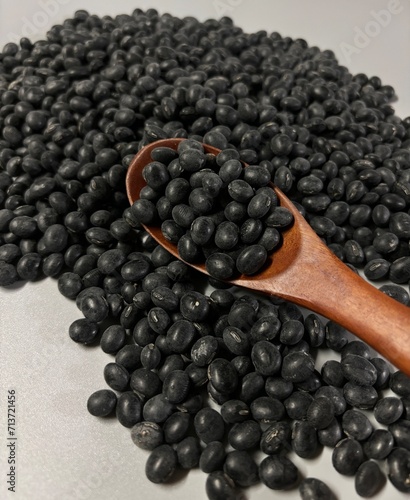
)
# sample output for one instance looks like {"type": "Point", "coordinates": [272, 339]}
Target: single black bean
{"type": "Point", "coordinates": [368, 479]}
{"type": "Point", "coordinates": [145, 382]}
{"type": "Point", "coordinates": [356, 425]}
{"type": "Point", "coordinates": [157, 409]}
{"type": "Point", "coordinates": [330, 435]}
{"type": "Point", "coordinates": [400, 384]}
{"type": "Point", "coordinates": [223, 375]}
{"type": "Point", "coordinates": [116, 376]}
{"type": "Point", "coordinates": [297, 366]}
{"type": "Point", "coordinates": [266, 358]}
{"type": "Point", "coordinates": [315, 489]}
{"type": "Point", "coordinates": [150, 356]}
{"type": "Point", "coordinates": [388, 410]}
{"type": "Point", "coordinates": [113, 339]}
{"type": "Point", "coordinates": [244, 435]}
{"type": "Point", "coordinates": [241, 468]}
{"type": "Point", "coordinates": [401, 433]}
{"type": "Point", "coordinates": [102, 403]}
{"type": "Point", "coordinates": [278, 472]}
{"type": "Point", "coordinates": [209, 425]}
{"type": "Point", "coordinates": [176, 427]}
{"type": "Point", "coordinates": [379, 445]}
{"type": "Point", "coordinates": [358, 369]}
{"type": "Point", "coordinates": [161, 464]}
{"type": "Point", "coordinates": [220, 266]}
{"type": "Point", "coordinates": [176, 387]}
{"type": "Point", "coordinates": [129, 409]}
{"type": "Point", "coordinates": [147, 435]}
{"type": "Point", "coordinates": [347, 456]}
{"type": "Point", "coordinates": [219, 486]}
{"type": "Point", "coordinates": [399, 469]}
{"type": "Point", "coordinates": [83, 331]}
{"type": "Point", "coordinates": [212, 457]}
{"type": "Point", "coordinates": [188, 452]}
{"type": "Point", "coordinates": [251, 259]}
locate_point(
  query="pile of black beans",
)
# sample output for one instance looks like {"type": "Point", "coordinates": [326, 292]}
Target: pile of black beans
{"type": "Point", "coordinates": [74, 110]}
{"type": "Point", "coordinates": [212, 208]}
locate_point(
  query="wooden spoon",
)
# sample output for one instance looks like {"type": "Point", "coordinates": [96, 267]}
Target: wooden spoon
{"type": "Point", "coordinates": [303, 270]}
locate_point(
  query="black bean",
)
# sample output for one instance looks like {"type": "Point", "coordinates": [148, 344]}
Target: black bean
{"type": "Point", "coordinates": [330, 435]}
{"type": "Point", "coordinates": [369, 479]}
{"type": "Point", "coordinates": [358, 370]}
{"type": "Point", "coordinates": [388, 410]}
{"type": "Point", "coordinates": [102, 403]}
{"type": "Point", "coordinates": [396, 292]}
{"type": "Point", "coordinates": [157, 409]}
{"type": "Point", "coordinates": [399, 469]}
{"type": "Point", "coordinates": [176, 427]}
{"type": "Point", "coordinates": [53, 264]}
{"type": "Point", "coordinates": [28, 266]}
{"type": "Point", "coordinates": [241, 468]}
{"type": "Point", "coordinates": [320, 412]}
{"type": "Point", "coordinates": [244, 435]}
{"type": "Point", "coordinates": [356, 425]}
{"type": "Point", "coordinates": [180, 336]}
{"type": "Point", "coordinates": [400, 384]}
{"type": "Point", "coordinates": [145, 382]}
{"type": "Point", "coordinates": [212, 457]}
{"type": "Point", "coordinates": [188, 452]}
{"type": "Point", "coordinates": [194, 306]}
{"type": "Point", "coordinates": [347, 456]}
{"type": "Point", "coordinates": [401, 433]}
{"type": "Point", "coordinates": [150, 356]}
{"type": "Point", "coordinates": [158, 320]}
{"type": "Point", "coordinates": [336, 336]}
{"type": "Point", "coordinates": [315, 489]}
{"type": "Point", "coordinates": [297, 405]}
{"type": "Point", "coordinates": [386, 243]}
{"type": "Point", "coordinates": [266, 358]}
{"type": "Point", "coordinates": [113, 339]}
{"type": "Point", "coordinates": [116, 376]}
{"type": "Point", "coordinates": [267, 409]}
{"type": "Point", "coordinates": [128, 411]}
{"type": "Point", "coordinates": [362, 397]}
{"type": "Point", "coordinates": [279, 388]}
{"type": "Point", "coordinates": [223, 375]}
{"type": "Point", "coordinates": [83, 331]}
{"type": "Point", "coordinates": [144, 211]}
{"type": "Point", "coordinates": [379, 444]}
{"type": "Point", "coordinates": [95, 308]}
{"type": "Point", "coordinates": [220, 266]}
{"type": "Point", "coordinates": [278, 472]}
{"type": "Point", "coordinates": [209, 425]}
{"type": "Point", "coordinates": [219, 486]}
{"type": "Point", "coordinates": [297, 366]}
{"type": "Point", "coordinates": [399, 224]}
{"type": "Point", "coordinates": [161, 464]}
{"type": "Point", "coordinates": [129, 357]}
{"type": "Point", "coordinates": [335, 395]}
{"type": "Point", "coordinates": [251, 259]}
{"type": "Point", "coordinates": [147, 435]}
{"type": "Point", "coordinates": [176, 386]}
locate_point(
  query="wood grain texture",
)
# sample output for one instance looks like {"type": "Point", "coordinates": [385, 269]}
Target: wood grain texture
{"type": "Point", "coordinates": [304, 271]}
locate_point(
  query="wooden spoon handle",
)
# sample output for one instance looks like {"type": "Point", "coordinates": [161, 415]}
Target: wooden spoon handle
{"type": "Point", "coordinates": [341, 295]}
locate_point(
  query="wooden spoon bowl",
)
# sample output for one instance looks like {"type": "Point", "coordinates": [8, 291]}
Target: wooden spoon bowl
{"type": "Point", "coordinates": [304, 271]}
